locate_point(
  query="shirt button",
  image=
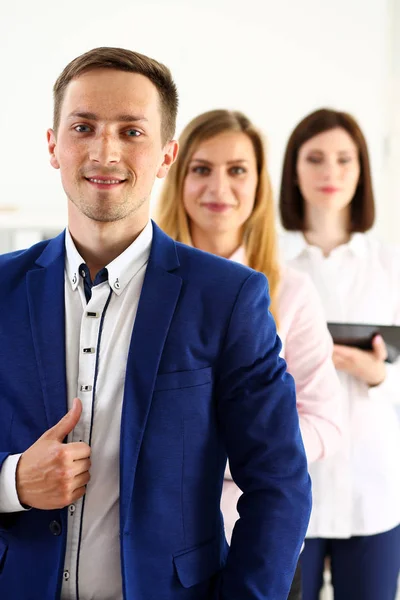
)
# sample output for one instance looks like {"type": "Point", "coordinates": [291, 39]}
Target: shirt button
{"type": "Point", "coordinates": [66, 575]}
{"type": "Point", "coordinates": [72, 509]}
{"type": "Point", "coordinates": [55, 527]}
{"type": "Point", "coordinates": [86, 388]}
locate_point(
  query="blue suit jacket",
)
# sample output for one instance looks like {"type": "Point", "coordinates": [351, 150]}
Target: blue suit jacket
{"type": "Point", "coordinates": [203, 381]}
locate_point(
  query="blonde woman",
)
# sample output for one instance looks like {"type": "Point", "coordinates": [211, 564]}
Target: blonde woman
{"type": "Point", "coordinates": [218, 198]}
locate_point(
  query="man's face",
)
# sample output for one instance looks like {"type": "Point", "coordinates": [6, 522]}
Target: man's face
{"type": "Point", "coordinates": [108, 146]}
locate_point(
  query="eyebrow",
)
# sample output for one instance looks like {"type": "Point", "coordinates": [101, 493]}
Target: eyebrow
{"type": "Point", "coordinates": [93, 117]}
{"type": "Point", "coordinates": [229, 162]}
{"type": "Point", "coordinates": [317, 151]}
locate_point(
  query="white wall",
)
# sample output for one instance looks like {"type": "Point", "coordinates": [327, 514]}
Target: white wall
{"type": "Point", "coordinates": [275, 60]}
{"type": "Point", "coordinates": [390, 204]}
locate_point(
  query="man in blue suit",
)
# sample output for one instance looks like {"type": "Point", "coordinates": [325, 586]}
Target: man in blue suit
{"type": "Point", "coordinates": [131, 368]}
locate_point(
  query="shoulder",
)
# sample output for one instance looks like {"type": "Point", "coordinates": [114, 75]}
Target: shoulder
{"type": "Point", "coordinates": [22, 259]}
{"type": "Point", "coordinates": [296, 286]}
{"type": "Point", "coordinates": [294, 279]}
{"type": "Point", "coordinates": [291, 244]}
{"type": "Point", "coordinates": [300, 306]}
{"type": "Point", "coordinates": [387, 253]}
{"type": "Point", "coordinates": [220, 286]}
{"type": "Point", "coordinates": [381, 257]}
{"type": "Point", "coordinates": [204, 267]}
{"type": "Point", "coordinates": [207, 279]}
{"type": "Point", "coordinates": [14, 266]}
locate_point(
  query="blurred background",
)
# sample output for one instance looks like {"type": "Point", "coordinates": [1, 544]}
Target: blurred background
{"type": "Point", "coordinates": [276, 61]}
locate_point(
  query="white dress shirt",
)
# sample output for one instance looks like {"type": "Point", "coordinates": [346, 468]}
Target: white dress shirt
{"type": "Point", "coordinates": [98, 335]}
{"type": "Point", "coordinates": [357, 491]}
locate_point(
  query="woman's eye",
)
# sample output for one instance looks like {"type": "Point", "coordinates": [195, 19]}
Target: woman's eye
{"type": "Point", "coordinates": [82, 128]}
{"type": "Point", "coordinates": [201, 170]}
{"type": "Point", "coordinates": [315, 160]}
{"type": "Point", "coordinates": [344, 161]}
{"type": "Point", "coordinates": [237, 170]}
{"type": "Point", "coordinates": [133, 133]}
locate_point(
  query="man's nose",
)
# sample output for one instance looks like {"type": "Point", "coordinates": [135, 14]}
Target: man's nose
{"type": "Point", "coordinates": [105, 149]}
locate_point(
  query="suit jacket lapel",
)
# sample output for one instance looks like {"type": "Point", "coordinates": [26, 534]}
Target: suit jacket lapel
{"type": "Point", "coordinates": [45, 288]}
{"type": "Point", "coordinates": [160, 292]}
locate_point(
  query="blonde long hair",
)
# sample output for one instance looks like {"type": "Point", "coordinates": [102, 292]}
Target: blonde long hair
{"type": "Point", "coordinates": [259, 231]}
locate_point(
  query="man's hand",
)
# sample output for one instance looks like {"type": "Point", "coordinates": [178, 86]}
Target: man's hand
{"type": "Point", "coordinates": [367, 365]}
{"type": "Point", "coordinates": [51, 474]}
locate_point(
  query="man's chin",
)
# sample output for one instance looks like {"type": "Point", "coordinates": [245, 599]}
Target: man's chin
{"type": "Point", "coordinates": [103, 216]}
{"type": "Point", "coordinates": [100, 214]}
{"type": "Point", "coordinates": [106, 212]}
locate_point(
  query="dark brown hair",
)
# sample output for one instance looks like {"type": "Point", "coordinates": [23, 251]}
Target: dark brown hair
{"type": "Point", "coordinates": [122, 60]}
{"type": "Point", "coordinates": [291, 202]}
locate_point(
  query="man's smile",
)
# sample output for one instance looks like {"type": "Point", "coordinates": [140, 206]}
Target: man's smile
{"type": "Point", "coordinates": [104, 182]}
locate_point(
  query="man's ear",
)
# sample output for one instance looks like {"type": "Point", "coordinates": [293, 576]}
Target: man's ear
{"type": "Point", "coordinates": [170, 154]}
{"type": "Point", "coordinates": [51, 145]}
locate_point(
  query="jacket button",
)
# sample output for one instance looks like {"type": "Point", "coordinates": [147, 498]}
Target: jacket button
{"type": "Point", "coordinates": [55, 527]}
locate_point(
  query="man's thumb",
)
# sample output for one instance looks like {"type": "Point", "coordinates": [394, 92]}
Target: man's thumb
{"type": "Point", "coordinates": [66, 424]}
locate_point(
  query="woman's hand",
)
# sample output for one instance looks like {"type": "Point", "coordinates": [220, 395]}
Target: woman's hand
{"type": "Point", "coordinates": [367, 365]}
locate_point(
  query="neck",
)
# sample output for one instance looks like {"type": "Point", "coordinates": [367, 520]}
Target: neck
{"type": "Point", "coordinates": [222, 244]}
{"type": "Point", "coordinates": [327, 229]}
{"type": "Point", "coordinates": [99, 243]}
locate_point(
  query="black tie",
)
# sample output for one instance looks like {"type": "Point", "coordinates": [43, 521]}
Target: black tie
{"type": "Point", "coordinates": [101, 277]}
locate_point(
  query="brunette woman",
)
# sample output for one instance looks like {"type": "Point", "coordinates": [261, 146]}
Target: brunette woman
{"type": "Point", "coordinates": [327, 205]}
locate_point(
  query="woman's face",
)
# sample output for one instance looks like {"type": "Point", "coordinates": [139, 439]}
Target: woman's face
{"type": "Point", "coordinates": [328, 170]}
{"type": "Point", "coordinates": [220, 185]}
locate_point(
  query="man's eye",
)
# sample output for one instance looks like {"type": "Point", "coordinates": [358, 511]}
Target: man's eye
{"type": "Point", "coordinates": [82, 128]}
{"type": "Point", "coordinates": [133, 133]}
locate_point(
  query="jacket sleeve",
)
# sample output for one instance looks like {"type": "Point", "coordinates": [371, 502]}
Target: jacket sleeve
{"type": "Point", "coordinates": [260, 426]}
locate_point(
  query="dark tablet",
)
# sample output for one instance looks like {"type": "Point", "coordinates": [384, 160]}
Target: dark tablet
{"type": "Point", "coordinates": [360, 336]}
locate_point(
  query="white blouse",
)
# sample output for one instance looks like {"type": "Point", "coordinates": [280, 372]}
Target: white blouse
{"type": "Point", "coordinates": [357, 491]}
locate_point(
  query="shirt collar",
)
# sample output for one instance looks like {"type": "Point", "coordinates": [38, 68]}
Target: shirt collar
{"type": "Point", "coordinates": [121, 269]}
{"type": "Point", "coordinates": [293, 244]}
{"type": "Point", "coordinates": [239, 256]}
{"type": "Point", "coordinates": [73, 260]}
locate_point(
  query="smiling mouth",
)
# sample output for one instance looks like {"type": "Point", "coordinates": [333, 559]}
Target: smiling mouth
{"type": "Point", "coordinates": [217, 207]}
{"type": "Point", "coordinates": [99, 181]}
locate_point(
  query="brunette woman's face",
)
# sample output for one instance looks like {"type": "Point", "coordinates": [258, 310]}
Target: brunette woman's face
{"type": "Point", "coordinates": [220, 185]}
{"type": "Point", "coordinates": [328, 170]}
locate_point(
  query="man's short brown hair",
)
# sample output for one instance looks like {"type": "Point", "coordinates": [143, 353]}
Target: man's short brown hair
{"type": "Point", "coordinates": [291, 202]}
{"type": "Point", "coordinates": [121, 59]}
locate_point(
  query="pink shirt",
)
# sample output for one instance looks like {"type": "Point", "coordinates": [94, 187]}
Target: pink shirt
{"type": "Point", "coordinates": [307, 349]}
